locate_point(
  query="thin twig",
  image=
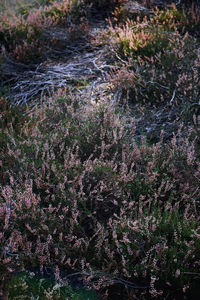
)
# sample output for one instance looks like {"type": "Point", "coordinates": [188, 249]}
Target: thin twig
{"type": "Point", "coordinates": [191, 273]}
{"type": "Point", "coordinates": [113, 279]}
{"type": "Point", "coordinates": [123, 61]}
{"type": "Point", "coordinates": [154, 82]}
{"type": "Point", "coordinates": [173, 96]}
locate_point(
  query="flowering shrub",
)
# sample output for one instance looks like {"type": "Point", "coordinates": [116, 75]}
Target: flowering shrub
{"type": "Point", "coordinates": [134, 39]}
{"type": "Point", "coordinates": [171, 78]}
{"type": "Point", "coordinates": [21, 35]}
{"type": "Point", "coordinates": [158, 65]}
{"type": "Point", "coordinates": [60, 11]}
{"type": "Point", "coordinates": [10, 116]}
{"type": "Point", "coordinates": [184, 20]}
{"type": "Point", "coordinates": [82, 195]}
{"type": "Point", "coordinates": [79, 194]}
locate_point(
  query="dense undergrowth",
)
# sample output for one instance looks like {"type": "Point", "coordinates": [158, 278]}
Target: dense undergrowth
{"type": "Point", "coordinates": [78, 193]}
{"type": "Point", "coordinates": [160, 55]}
{"type": "Point", "coordinates": [21, 33]}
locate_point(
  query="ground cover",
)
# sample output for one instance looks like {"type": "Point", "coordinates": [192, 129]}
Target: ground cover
{"type": "Point", "coordinates": [100, 183]}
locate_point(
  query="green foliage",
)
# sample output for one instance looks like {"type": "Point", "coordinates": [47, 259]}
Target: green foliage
{"type": "Point", "coordinates": [142, 41]}
{"type": "Point", "coordinates": [11, 116]}
{"type": "Point", "coordinates": [19, 31]}
{"type": "Point", "coordinates": [30, 286]}
{"type": "Point", "coordinates": [183, 20]}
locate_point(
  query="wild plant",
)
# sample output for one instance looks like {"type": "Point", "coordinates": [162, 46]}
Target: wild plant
{"type": "Point", "coordinates": [21, 35]}
{"type": "Point", "coordinates": [156, 65]}
{"type": "Point", "coordinates": [83, 196]}
{"type": "Point", "coordinates": [183, 20]}
{"type": "Point", "coordinates": [79, 194]}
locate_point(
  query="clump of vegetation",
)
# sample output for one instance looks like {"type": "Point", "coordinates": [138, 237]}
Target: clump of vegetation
{"type": "Point", "coordinates": [183, 20]}
{"type": "Point", "coordinates": [159, 59]}
{"type": "Point", "coordinates": [116, 202]}
{"type": "Point", "coordinates": [10, 115]}
{"type": "Point", "coordinates": [80, 194]}
{"type": "Point", "coordinates": [21, 35]}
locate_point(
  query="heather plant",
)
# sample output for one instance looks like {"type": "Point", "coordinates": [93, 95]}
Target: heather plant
{"type": "Point", "coordinates": [21, 36]}
{"type": "Point", "coordinates": [83, 196]}
{"type": "Point", "coordinates": [61, 10]}
{"type": "Point", "coordinates": [183, 20]}
{"type": "Point", "coordinates": [11, 116]}
{"type": "Point", "coordinates": [129, 10]}
{"type": "Point", "coordinates": [168, 79]}
{"type": "Point", "coordinates": [12, 121]}
{"type": "Point", "coordinates": [157, 66]}
{"type": "Point", "coordinates": [136, 38]}
{"type": "Point", "coordinates": [142, 37]}
{"type": "Point", "coordinates": [80, 196]}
